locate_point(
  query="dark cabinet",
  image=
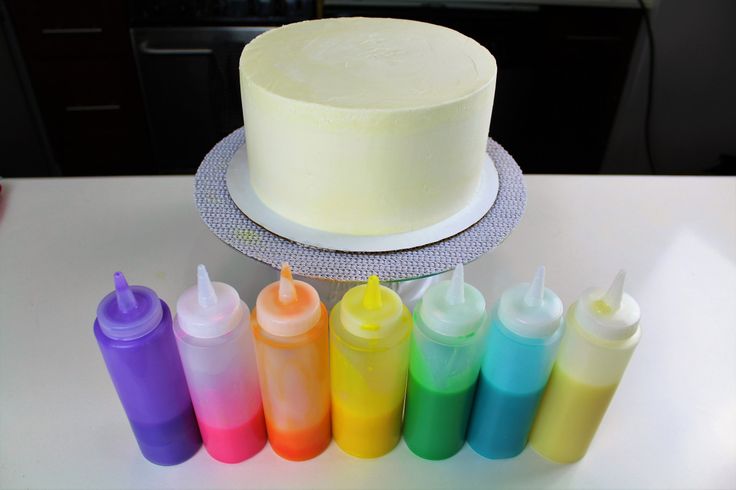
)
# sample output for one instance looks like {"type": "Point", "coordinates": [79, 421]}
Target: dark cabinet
{"type": "Point", "coordinates": [148, 86]}
{"type": "Point", "coordinates": [80, 63]}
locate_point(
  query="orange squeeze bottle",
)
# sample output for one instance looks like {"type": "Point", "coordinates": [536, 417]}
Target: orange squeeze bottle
{"type": "Point", "coordinates": [290, 330]}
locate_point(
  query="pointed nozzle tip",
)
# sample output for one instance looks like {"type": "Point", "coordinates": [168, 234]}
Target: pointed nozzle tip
{"type": "Point", "coordinates": [456, 291]}
{"type": "Point", "coordinates": [615, 293]}
{"type": "Point", "coordinates": [287, 289]}
{"type": "Point", "coordinates": [125, 297]}
{"type": "Point", "coordinates": [372, 298]}
{"type": "Point", "coordinates": [535, 294]}
{"type": "Point", "coordinates": [205, 290]}
{"type": "Point", "coordinates": [121, 283]}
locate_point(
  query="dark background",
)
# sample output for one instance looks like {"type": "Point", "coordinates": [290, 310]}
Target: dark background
{"type": "Point", "coordinates": [112, 87]}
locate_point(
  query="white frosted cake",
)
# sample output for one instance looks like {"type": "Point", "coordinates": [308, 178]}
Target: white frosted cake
{"type": "Point", "coordinates": [366, 126]}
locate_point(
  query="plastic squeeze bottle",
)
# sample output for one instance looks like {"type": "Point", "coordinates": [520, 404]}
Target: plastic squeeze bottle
{"type": "Point", "coordinates": [446, 350]}
{"type": "Point", "coordinates": [369, 358]}
{"type": "Point", "coordinates": [133, 330]}
{"type": "Point", "coordinates": [216, 348]}
{"type": "Point", "coordinates": [602, 333]}
{"type": "Point", "coordinates": [290, 330]}
{"type": "Point", "coordinates": [526, 328]}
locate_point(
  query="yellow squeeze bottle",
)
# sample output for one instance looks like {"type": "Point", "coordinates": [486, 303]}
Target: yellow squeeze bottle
{"type": "Point", "coordinates": [369, 359]}
{"type": "Point", "coordinates": [601, 334]}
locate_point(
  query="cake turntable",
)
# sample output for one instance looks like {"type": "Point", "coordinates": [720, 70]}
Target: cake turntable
{"type": "Point", "coordinates": [227, 221]}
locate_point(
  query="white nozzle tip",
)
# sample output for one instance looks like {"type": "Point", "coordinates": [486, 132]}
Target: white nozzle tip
{"type": "Point", "coordinates": [615, 293]}
{"type": "Point", "coordinates": [287, 289]}
{"type": "Point", "coordinates": [205, 291]}
{"type": "Point", "coordinates": [456, 291]}
{"type": "Point", "coordinates": [534, 296]}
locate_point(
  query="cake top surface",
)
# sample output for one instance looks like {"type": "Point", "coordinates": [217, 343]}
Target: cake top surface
{"type": "Point", "coordinates": [368, 63]}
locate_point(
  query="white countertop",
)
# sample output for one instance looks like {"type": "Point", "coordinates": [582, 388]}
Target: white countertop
{"type": "Point", "coordinates": [672, 423]}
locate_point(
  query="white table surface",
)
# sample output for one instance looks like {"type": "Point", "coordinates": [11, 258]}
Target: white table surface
{"type": "Point", "coordinates": [672, 423]}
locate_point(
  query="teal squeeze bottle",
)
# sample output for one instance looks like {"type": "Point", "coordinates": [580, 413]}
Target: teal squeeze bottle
{"type": "Point", "coordinates": [447, 343]}
{"type": "Point", "coordinates": [526, 328]}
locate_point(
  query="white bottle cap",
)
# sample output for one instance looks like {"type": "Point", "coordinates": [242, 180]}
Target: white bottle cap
{"type": "Point", "coordinates": [209, 309]}
{"type": "Point", "coordinates": [453, 308]}
{"type": "Point", "coordinates": [610, 315]}
{"type": "Point", "coordinates": [287, 307]}
{"type": "Point", "coordinates": [531, 310]}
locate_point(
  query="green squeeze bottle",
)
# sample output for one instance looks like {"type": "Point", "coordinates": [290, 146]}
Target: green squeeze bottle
{"type": "Point", "coordinates": [447, 345]}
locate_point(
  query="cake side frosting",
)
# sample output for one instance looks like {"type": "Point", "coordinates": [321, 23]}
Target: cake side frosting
{"type": "Point", "coordinates": [369, 136]}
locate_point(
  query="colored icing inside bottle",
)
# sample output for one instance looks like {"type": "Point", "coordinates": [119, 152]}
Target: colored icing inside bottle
{"type": "Point", "coordinates": [369, 357]}
{"type": "Point", "coordinates": [602, 333]}
{"type": "Point", "coordinates": [526, 328]}
{"type": "Point", "coordinates": [134, 332]}
{"type": "Point", "coordinates": [290, 330]}
{"type": "Point", "coordinates": [572, 412]}
{"type": "Point", "coordinates": [234, 444]}
{"type": "Point", "coordinates": [216, 348]}
{"type": "Point", "coordinates": [446, 351]}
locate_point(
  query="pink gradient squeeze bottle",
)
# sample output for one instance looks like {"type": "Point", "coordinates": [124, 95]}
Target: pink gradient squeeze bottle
{"type": "Point", "coordinates": [212, 328]}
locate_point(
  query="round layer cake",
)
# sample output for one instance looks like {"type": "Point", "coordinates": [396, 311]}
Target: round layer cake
{"type": "Point", "coordinates": [366, 126]}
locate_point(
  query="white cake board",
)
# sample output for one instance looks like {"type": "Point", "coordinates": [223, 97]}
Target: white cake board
{"type": "Point", "coordinates": [245, 197]}
{"type": "Point", "coordinates": [337, 268]}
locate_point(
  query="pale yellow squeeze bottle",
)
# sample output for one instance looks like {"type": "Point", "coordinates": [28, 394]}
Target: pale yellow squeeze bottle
{"type": "Point", "coordinates": [602, 333]}
{"type": "Point", "coordinates": [369, 359]}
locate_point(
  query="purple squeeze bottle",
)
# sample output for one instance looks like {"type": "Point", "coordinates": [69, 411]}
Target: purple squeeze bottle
{"type": "Point", "coordinates": [134, 331]}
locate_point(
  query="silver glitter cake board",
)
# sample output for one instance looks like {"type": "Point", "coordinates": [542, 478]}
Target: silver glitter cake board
{"type": "Point", "coordinates": [231, 225]}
